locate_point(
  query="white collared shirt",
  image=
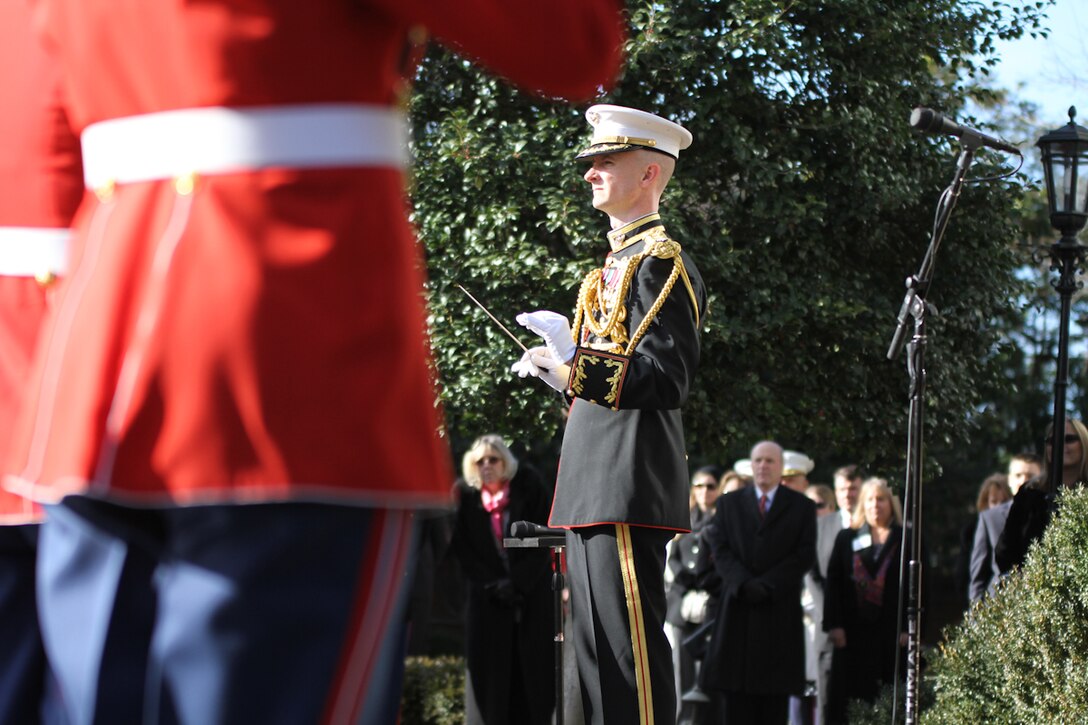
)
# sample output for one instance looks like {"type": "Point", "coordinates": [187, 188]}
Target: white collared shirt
{"type": "Point", "coordinates": [770, 494]}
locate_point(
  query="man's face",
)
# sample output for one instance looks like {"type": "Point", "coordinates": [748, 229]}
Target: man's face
{"type": "Point", "coordinates": [1020, 472]}
{"type": "Point", "coordinates": [798, 483]}
{"type": "Point", "coordinates": [846, 492]}
{"type": "Point", "coordinates": [766, 465]}
{"type": "Point", "coordinates": [616, 181]}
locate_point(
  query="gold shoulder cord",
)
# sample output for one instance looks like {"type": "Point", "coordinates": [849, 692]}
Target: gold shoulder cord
{"type": "Point", "coordinates": [591, 295]}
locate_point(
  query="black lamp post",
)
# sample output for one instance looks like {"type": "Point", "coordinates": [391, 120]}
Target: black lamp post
{"type": "Point", "coordinates": [1065, 163]}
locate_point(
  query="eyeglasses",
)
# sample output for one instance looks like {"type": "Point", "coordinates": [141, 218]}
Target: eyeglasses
{"type": "Point", "coordinates": [1069, 438]}
{"type": "Point", "coordinates": [821, 505]}
{"type": "Point", "coordinates": [488, 459]}
{"type": "Point", "coordinates": [704, 485]}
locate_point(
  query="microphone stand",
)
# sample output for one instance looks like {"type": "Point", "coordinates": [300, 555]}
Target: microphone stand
{"type": "Point", "coordinates": [917, 308]}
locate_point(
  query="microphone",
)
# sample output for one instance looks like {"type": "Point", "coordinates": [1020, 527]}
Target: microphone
{"type": "Point", "coordinates": [929, 121]}
{"type": "Point", "coordinates": [527, 529]}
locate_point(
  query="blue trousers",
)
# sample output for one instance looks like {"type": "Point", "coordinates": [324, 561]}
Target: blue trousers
{"type": "Point", "coordinates": [22, 659]}
{"type": "Point", "coordinates": [265, 613]}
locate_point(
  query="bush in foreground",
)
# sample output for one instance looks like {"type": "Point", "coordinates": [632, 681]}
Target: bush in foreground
{"type": "Point", "coordinates": [434, 691]}
{"type": "Point", "coordinates": [1021, 656]}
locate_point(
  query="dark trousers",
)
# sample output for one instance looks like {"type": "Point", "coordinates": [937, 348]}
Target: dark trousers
{"type": "Point", "coordinates": [616, 578]}
{"type": "Point", "coordinates": [744, 709]}
{"type": "Point", "coordinates": [270, 613]}
{"type": "Point", "coordinates": [22, 659]}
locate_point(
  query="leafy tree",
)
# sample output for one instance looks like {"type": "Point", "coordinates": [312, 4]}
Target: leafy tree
{"type": "Point", "coordinates": [805, 200]}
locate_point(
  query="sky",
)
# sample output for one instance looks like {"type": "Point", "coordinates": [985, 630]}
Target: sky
{"type": "Point", "coordinates": [1046, 70]}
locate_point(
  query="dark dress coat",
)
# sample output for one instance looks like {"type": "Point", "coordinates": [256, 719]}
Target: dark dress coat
{"type": "Point", "coordinates": [509, 618]}
{"type": "Point", "coordinates": [629, 465]}
{"type": "Point", "coordinates": [872, 631]}
{"type": "Point", "coordinates": [683, 563]}
{"type": "Point", "coordinates": [758, 644]}
{"type": "Point", "coordinates": [1028, 517]}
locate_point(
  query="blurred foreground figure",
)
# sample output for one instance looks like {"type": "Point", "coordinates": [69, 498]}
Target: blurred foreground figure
{"type": "Point", "coordinates": [41, 184]}
{"type": "Point", "coordinates": [232, 418]}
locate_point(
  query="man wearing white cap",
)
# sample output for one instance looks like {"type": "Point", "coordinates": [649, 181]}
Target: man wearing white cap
{"type": "Point", "coordinates": [803, 710]}
{"type": "Point", "coordinates": [627, 364]}
{"type": "Point", "coordinates": [795, 469]}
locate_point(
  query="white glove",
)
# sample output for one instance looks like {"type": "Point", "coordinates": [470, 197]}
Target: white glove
{"type": "Point", "coordinates": [539, 363]}
{"type": "Point", "coordinates": [693, 606]}
{"type": "Point", "coordinates": [524, 367]}
{"type": "Point", "coordinates": [554, 329]}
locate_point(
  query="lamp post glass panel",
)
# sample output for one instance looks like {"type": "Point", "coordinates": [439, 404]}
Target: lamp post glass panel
{"type": "Point", "coordinates": [1065, 163]}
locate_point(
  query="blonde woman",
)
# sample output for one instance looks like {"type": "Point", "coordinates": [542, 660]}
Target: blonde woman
{"type": "Point", "coordinates": [1034, 503]}
{"type": "Point", "coordinates": [861, 599]}
{"type": "Point", "coordinates": [508, 633]}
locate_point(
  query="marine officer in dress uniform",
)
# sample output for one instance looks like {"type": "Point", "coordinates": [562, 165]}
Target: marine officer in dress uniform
{"type": "Point", "coordinates": [233, 418]}
{"type": "Point", "coordinates": [627, 363]}
{"type": "Point", "coordinates": [41, 184]}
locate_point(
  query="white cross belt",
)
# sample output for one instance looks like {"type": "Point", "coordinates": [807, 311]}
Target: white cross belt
{"type": "Point", "coordinates": [217, 140]}
{"type": "Point", "coordinates": [33, 251]}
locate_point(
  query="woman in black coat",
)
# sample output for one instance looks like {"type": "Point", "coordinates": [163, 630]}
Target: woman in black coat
{"type": "Point", "coordinates": [509, 628]}
{"type": "Point", "coordinates": [861, 600]}
{"type": "Point", "coordinates": [1035, 503]}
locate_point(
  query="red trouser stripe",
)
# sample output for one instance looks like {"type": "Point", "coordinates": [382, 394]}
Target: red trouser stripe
{"type": "Point", "coordinates": [374, 620]}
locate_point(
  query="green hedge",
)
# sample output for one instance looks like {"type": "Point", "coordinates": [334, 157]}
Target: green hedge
{"type": "Point", "coordinates": [1022, 655]}
{"type": "Point", "coordinates": [434, 691]}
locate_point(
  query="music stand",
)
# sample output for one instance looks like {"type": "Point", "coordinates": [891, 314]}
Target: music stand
{"type": "Point", "coordinates": [539, 537]}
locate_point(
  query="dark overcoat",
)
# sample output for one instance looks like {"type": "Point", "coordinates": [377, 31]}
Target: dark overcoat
{"type": "Point", "coordinates": [683, 563]}
{"type": "Point", "coordinates": [508, 635]}
{"type": "Point", "coordinates": [872, 631]}
{"type": "Point", "coordinates": [629, 465]}
{"type": "Point", "coordinates": [1028, 518]}
{"type": "Point", "coordinates": [758, 648]}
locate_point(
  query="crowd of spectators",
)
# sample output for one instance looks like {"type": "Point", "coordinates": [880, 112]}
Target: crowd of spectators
{"type": "Point", "coordinates": [782, 600]}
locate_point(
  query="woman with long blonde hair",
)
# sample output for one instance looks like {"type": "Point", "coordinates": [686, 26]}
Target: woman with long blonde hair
{"type": "Point", "coordinates": [1034, 502]}
{"type": "Point", "coordinates": [861, 600]}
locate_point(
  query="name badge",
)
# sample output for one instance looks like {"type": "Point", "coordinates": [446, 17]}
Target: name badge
{"type": "Point", "coordinates": [863, 542]}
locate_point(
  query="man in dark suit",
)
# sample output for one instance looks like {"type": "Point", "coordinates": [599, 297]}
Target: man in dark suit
{"type": "Point", "coordinates": [627, 362]}
{"type": "Point", "coordinates": [763, 540]}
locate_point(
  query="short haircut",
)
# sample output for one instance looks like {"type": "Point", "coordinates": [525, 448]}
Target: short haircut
{"type": "Point", "coordinates": [851, 472]}
{"type": "Point", "coordinates": [713, 471]}
{"type": "Point", "coordinates": [1029, 458]}
{"type": "Point", "coordinates": [490, 442]}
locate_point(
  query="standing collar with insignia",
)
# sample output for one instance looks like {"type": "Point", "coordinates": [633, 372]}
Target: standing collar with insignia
{"type": "Point", "coordinates": [620, 238]}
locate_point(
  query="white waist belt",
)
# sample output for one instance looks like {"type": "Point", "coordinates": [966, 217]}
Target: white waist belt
{"type": "Point", "coordinates": [171, 144]}
{"type": "Point", "coordinates": [33, 251]}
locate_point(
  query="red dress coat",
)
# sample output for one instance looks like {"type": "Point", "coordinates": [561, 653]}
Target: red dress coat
{"type": "Point", "coordinates": [261, 338]}
{"type": "Point", "coordinates": [41, 184]}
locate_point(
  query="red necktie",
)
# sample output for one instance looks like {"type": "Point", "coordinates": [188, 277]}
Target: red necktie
{"type": "Point", "coordinates": [762, 505]}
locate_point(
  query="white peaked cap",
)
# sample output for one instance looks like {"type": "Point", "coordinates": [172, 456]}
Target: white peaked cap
{"type": "Point", "coordinates": [744, 467]}
{"type": "Point", "coordinates": [618, 128]}
{"type": "Point", "coordinates": [796, 464]}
